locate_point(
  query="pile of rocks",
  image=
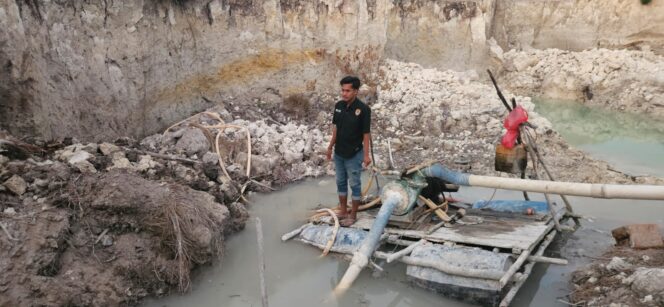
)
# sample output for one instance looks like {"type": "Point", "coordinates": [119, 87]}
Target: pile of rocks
{"type": "Point", "coordinates": [457, 118]}
{"type": "Point", "coordinates": [280, 153]}
{"type": "Point", "coordinates": [626, 80]}
{"type": "Point", "coordinates": [628, 274]}
{"type": "Point", "coordinates": [432, 114]}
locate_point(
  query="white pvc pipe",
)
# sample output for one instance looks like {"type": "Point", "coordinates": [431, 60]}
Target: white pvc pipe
{"type": "Point", "coordinates": [651, 192]}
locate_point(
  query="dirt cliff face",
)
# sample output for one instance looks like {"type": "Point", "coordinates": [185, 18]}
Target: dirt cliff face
{"type": "Point", "coordinates": [578, 24]}
{"type": "Point", "coordinates": [109, 68]}
{"type": "Point", "coordinates": [444, 34]}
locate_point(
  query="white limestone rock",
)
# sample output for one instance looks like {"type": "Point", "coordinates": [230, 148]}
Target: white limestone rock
{"type": "Point", "coordinates": [16, 185]}
{"type": "Point", "coordinates": [193, 142]}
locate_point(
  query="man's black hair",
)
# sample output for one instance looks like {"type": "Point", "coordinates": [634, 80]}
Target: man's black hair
{"type": "Point", "coordinates": [353, 81]}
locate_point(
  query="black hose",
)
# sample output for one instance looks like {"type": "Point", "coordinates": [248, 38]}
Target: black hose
{"type": "Point", "coordinates": [373, 159]}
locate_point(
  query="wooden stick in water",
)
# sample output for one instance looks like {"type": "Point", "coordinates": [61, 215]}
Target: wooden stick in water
{"type": "Point", "coordinates": [517, 265]}
{"type": "Point", "coordinates": [548, 173]}
{"type": "Point", "coordinates": [548, 260]}
{"type": "Point", "coordinates": [261, 261]}
{"type": "Point", "coordinates": [527, 270]}
{"type": "Point", "coordinates": [549, 203]}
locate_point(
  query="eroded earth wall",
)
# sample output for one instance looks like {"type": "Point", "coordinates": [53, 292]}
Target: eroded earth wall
{"type": "Point", "coordinates": [579, 24]}
{"type": "Point", "coordinates": [101, 69]}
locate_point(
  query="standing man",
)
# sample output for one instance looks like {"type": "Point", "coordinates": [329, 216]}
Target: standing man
{"type": "Point", "coordinates": [351, 141]}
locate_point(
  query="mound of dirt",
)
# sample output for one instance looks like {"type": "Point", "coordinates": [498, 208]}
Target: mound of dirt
{"type": "Point", "coordinates": [621, 277]}
{"type": "Point", "coordinates": [100, 224]}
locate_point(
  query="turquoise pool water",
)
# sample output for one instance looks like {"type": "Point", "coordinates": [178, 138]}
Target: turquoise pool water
{"type": "Point", "coordinates": [629, 142]}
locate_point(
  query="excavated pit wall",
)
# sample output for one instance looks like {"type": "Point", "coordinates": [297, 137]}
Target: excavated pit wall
{"type": "Point", "coordinates": [102, 69]}
{"type": "Point", "coordinates": [97, 70]}
{"type": "Point", "coordinates": [577, 25]}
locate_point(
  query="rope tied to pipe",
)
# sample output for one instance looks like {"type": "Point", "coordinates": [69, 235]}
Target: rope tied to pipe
{"type": "Point", "coordinates": [330, 242]}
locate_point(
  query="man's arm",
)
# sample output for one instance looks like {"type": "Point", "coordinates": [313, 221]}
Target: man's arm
{"type": "Point", "coordinates": [333, 141]}
{"type": "Point", "coordinates": [366, 140]}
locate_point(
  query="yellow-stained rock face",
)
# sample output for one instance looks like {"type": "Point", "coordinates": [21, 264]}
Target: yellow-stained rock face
{"type": "Point", "coordinates": [101, 70]}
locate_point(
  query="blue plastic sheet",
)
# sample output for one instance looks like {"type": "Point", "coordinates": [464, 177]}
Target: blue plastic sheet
{"type": "Point", "coordinates": [512, 206]}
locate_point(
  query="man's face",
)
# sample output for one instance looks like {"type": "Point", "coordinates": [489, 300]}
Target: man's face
{"type": "Point", "coordinates": [348, 93]}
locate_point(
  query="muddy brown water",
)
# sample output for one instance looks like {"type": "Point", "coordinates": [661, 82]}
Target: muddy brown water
{"type": "Point", "coordinates": [297, 276]}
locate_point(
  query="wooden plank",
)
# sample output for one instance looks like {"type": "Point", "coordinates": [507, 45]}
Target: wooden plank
{"type": "Point", "coordinates": [527, 270]}
{"type": "Point", "coordinates": [513, 268]}
{"type": "Point", "coordinates": [493, 232]}
{"type": "Point", "coordinates": [499, 231]}
{"type": "Point", "coordinates": [261, 261]}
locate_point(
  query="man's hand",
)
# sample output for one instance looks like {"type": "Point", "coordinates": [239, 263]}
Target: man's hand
{"type": "Point", "coordinates": [366, 162]}
{"type": "Point", "coordinates": [328, 155]}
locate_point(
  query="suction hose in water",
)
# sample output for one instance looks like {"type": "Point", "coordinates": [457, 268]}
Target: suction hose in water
{"type": "Point", "coordinates": [397, 196]}
{"type": "Point", "coordinates": [390, 200]}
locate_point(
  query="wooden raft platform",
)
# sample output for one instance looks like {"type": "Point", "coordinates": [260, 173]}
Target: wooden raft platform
{"type": "Point", "coordinates": [512, 235]}
{"type": "Point", "coordinates": [506, 231]}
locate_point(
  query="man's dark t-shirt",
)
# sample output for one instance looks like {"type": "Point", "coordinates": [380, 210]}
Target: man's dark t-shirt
{"type": "Point", "coordinates": [352, 123]}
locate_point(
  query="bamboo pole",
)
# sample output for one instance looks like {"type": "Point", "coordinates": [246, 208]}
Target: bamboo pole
{"type": "Point", "coordinates": [515, 266]}
{"type": "Point", "coordinates": [529, 146]}
{"type": "Point", "coordinates": [549, 204]}
{"type": "Point", "coordinates": [261, 261]}
{"type": "Point", "coordinates": [649, 192]}
{"type": "Point", "coordinates": [548, 260]}
{"type": "Point", "coordinates": [522, 258]}
{"type": "Point", "coordinates": [527, 270]}
{"type": "Point", "coordinates": [404, 252]}
{"type": "Point", "coordinates": [548, 173]}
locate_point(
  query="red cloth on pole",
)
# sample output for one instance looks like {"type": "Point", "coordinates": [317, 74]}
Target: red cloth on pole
{"type": "Point", "coordinates": [512, 123]}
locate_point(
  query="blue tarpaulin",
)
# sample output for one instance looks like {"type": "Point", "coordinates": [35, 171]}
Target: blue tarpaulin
{"type": "Point", "coordinates": [512, 206]}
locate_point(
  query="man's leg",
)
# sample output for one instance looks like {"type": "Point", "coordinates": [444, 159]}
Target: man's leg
{"type": "Point", "coordinates": [354, 167]}
{"type": "Point", "coordinates": [343, 206]}
{"type": "Point", "coordinates": [342, 185]}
